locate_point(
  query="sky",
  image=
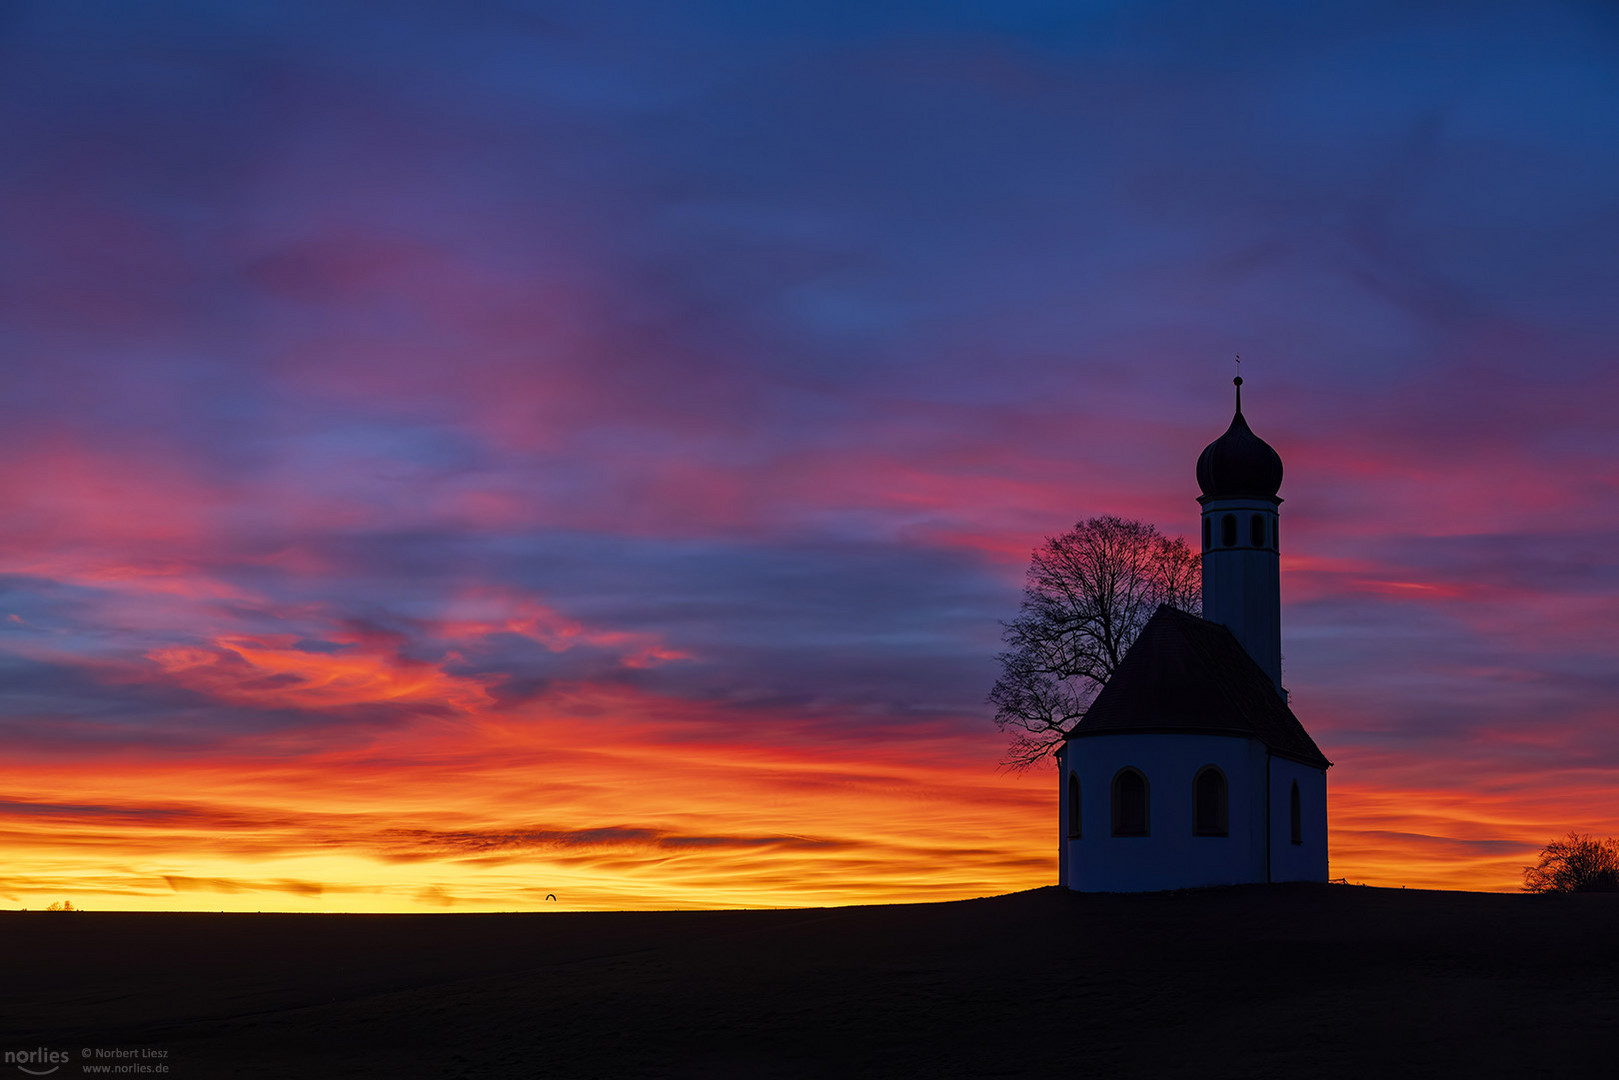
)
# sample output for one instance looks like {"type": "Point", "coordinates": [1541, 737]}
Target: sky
{"type": "Point", "coordinates": [458, 455]}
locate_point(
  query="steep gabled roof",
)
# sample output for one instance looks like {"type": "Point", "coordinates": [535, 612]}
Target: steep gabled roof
{"type": "Point", "coordinates": [1186, 674]}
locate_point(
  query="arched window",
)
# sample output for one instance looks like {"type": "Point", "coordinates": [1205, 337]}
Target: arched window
{"type": "Point", "coordinates": [1276, 534]}
{"type": "Point", "coordinates": [1228, 530]}
{"type": "Point", "coordinates": [1129, 803]}
{"type": "Point", "coordinates": [1074, 820]}
{"type": "Point", "coordinates": [1295, 814]}
{"type": "Point", "coordinates": [1208, 533]}
{"type": "Point", "coordinates": [1256, 530]}
{"type": "Point", "coordinates": [1210, 799]}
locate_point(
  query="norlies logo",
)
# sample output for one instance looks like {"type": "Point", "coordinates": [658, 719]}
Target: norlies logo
{"type": "Point", "coordinates": [44, 1061]}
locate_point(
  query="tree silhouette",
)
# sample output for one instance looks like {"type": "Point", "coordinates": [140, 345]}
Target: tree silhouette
{"type": "Point", "coordinates": [1087, 595]}
{"type": "Point", "coordinates": [1575, 863]}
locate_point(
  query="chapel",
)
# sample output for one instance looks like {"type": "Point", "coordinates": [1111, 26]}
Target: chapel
{"type": "Point", "coordinates": [1189, 768]}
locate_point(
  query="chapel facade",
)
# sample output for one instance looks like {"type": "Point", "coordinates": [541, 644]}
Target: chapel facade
{"type": "Point", "coordinates": [1189, 769]}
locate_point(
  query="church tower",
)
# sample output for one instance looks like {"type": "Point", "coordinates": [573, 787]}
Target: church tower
{"type": "Point", "coordinates": [1242, 584]}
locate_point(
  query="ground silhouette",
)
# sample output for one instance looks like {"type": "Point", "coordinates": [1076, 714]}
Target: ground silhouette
{"type": "Point", "coordinates": [1249, 981]}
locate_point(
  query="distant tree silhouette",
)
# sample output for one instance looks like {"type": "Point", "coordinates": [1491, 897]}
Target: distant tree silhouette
{"type": "Point", "coordinates": [1575, 863]}
{"type": "Point", "coordinates": [1087, 595]}
{"type": "Point", "coordinates": [62, 905]}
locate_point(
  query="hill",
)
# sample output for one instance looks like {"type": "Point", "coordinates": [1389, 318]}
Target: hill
{"type": "Point", "coordinates": [1252, 981]}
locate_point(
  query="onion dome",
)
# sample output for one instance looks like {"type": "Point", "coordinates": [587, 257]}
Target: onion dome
{"type": "Point", "coordinates": [1239, 464]}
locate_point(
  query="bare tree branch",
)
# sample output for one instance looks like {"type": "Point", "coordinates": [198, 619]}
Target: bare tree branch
{"type": "Point", "coordinates": [1087, 596]}
{"type": "Point", "coordinates": [1575, 864]}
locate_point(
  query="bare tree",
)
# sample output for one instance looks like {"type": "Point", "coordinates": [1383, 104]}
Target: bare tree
{"type": "Point", "coordinates": [1575, 864]}
{"type": "Point", "coordinates": [1088, 594]}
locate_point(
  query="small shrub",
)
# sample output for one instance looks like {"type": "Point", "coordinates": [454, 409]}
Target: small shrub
{"type": "Point", "coordinates": [1575, 864]}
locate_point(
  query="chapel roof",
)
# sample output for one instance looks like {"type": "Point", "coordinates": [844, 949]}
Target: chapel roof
{"type": "Point", "coordinates": [1187, 674]}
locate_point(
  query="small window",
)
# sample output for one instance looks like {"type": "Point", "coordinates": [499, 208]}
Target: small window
{"type": "Point", "coordinates": [1295, 814]}
{"type": "Point", "coordinates": [1073, 807]}
{"type": "Point", "coordinates": [1129, 803]}
{"type": "Point", "coordinates": [1256, 530]}
{"type": "Point", "coordinates": [1228, 530]}
{"type": "Point", "coordinates": [1210, 799]}
{"type": "Point", "coordinates": [1208, 533]}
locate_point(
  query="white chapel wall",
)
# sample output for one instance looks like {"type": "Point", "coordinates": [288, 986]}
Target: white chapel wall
{"type": "Point", "coordinates": [1170, 856]}
{"type": "Point", "coordinates": [1306, 861]}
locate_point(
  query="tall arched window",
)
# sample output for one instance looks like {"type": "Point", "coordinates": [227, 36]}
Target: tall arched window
{"type": "Point", "coordinates": [1210, 799]}
{"type": "Point", "coordinates": [1129, 803]}
{"type": "Point", "coordinates": [1295, 813]}
{"type": "Point", "coordinates": [1256, 530]}
{"type": "Point", "coordinates": [1228, 530]}
{"type": "Point", "coordinates": [1208, 533]}
{"type": "Point", "coordinates": [1074, 820]}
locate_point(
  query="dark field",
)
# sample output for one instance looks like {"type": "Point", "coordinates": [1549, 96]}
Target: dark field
{"type": "Point", "coordinates": [1295, 981]}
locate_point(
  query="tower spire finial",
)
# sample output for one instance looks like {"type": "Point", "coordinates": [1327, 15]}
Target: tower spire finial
{"type": "Point", "coordinates": [1237, 382]}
